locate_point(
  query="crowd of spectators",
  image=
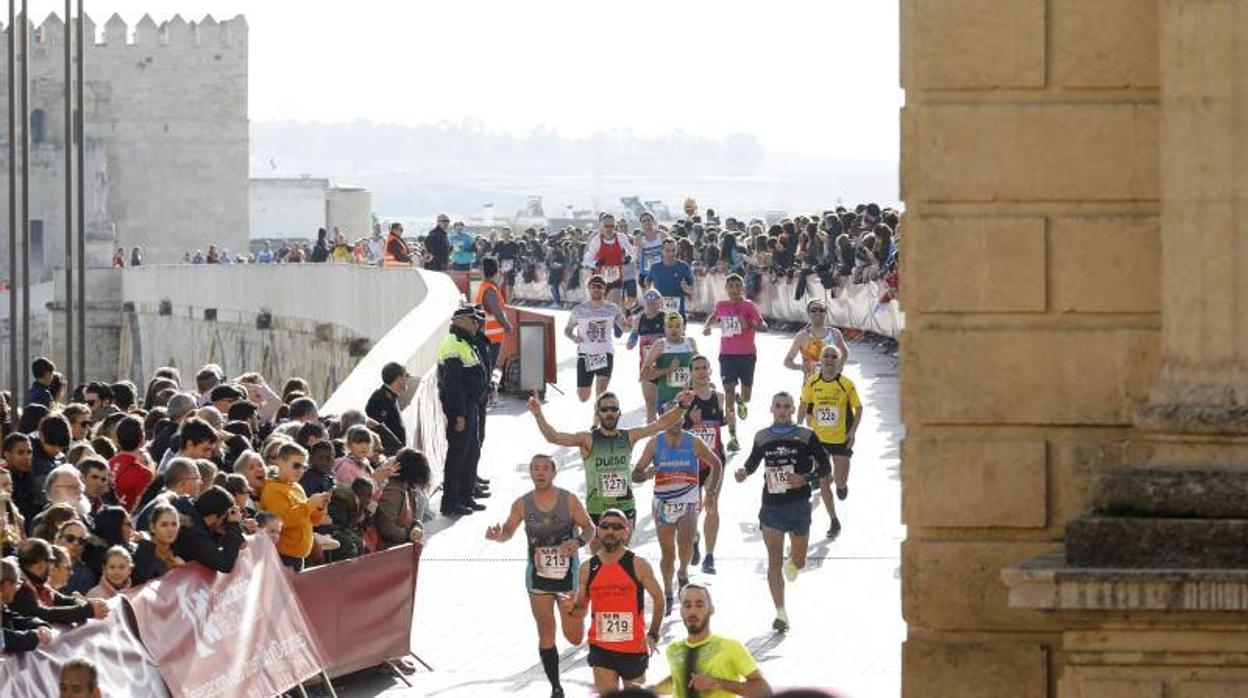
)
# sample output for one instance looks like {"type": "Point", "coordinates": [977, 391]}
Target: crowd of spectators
{"type": "Point", "coordinates": [104, 487]}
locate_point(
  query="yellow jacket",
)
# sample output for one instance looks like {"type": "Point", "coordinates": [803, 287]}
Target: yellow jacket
{"type": "Point", "coordinates": [287, 501]}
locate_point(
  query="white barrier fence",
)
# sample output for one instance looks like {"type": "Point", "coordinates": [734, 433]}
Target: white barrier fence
{"type": "Point", "coordinates": [856, 306]}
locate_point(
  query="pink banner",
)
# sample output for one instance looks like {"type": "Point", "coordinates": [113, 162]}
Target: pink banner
{"type": "Point", "coordinates": [124, 666]}
{"type": "Point", "coordinates": [237, 634]}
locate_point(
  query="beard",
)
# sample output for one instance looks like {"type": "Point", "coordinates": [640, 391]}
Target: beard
{"type": "Point", "coordinates": [694, 627]}
{"type": "Point", "coordinates": [609, 423]}
{"type": "Point", "coordinates": [610, 544]}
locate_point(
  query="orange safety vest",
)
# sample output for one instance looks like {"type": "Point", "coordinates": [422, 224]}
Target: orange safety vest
{"type": "Point", "coordinates": [493, 326]}
{"type": "Point", "coordinates": [388, 258]}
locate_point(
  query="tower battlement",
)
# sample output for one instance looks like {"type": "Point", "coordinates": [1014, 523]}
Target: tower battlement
{"type": "Point", "coordinates": [175, 32]}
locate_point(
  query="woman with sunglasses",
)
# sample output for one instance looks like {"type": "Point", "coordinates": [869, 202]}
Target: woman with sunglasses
{"type": "Point", "coordinates": [556, 526]}
{"type": "Point", "coordinates": [810, 341]}
{"type": "Point", "coordinates": [73, 537]}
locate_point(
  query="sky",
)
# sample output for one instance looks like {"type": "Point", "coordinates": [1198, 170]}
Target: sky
{"type": "Point", "coordinates": [649, 66]}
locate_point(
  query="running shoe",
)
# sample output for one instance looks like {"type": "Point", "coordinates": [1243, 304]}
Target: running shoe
{"type": "Point", "coordinates": [556, 693]}
{"type": "Point", "coordinates": [842, 492]}
{"type": "Point", "coordinates": [708, 564]}
{"type": "Point", "coordinates": [835, 529]}
{"type": "Point", "coordinates": [682, 580]}
{"type": "Point", "coordinates": [733, 445]}
{"type": "Point", "coordinates": [697, 551]}
{"type": "Point", "coordinates": [743, 411]}
{"type": "Point", "coordinates": [790, 571]}
{"type": "Point", "coordinates": [781, 623]}
{"type": "Point", "coordinates": [667, 604]}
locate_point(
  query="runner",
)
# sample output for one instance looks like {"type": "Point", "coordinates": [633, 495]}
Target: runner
{"type": "Point", "coordinates": [704, 664]}
{"type": "Point", "coordinates": [549, 515]}
{"type": "Point", "coordinates": [606, 253]}
{"type": "Point", "coordinates": [831, 407]}
{"type": "Point", "coordinates": [629, 287]}
{"type": "Point", "coordinates": [705, 420]}
{"type": "Point", "coordinates": [649, 248]}
{"type": "Point", "coordinates": [672, 277]}
{"type": "Point", "coordinates": [672, 459]}
{"type": "Point", "coordinates": [811, 340]}
{"type": "Point", "coordinates": [667, 360]}
{"type": "Point", "coordinates": [607, 451]}
{"type": "Point", "coordinates": [738, 319]}
{"type": "Point", "coordinates": [613, 585]}
{"type": "Point", "coordinates": [647, 327]}
{"type": "Point", "coordinates": [792, 458]}
{"type": "Point", "coordinates": [590, 325]}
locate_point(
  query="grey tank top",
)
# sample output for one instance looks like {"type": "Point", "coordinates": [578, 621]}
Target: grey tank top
{"type": "Point", "coordinates": [545, 528]}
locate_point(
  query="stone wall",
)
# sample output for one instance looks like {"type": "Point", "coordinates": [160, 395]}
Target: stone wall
{"type": "Point", "coordinates": [1030, 172]}
{"type": "Point", "coordinates": [166, 138]}
{"type": "Point", "coordinates": [286, 207]}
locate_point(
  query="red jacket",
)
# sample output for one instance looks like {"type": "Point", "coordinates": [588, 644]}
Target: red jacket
{"type": "Point", "coordinates": [132, 477]}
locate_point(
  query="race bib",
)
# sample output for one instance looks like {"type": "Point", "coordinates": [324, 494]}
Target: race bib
{"type": "Point", "coordinates": [611, 274]}
{"type": "Point", "coordinates": [671, 304]}
{"type": "Point", "coordinates": [549, 563]}
{"type": "Point", "coordinates": [826, 416]}
{"type": "Point", "coordinates": [731, 325]}
{"type": "Point", "coordinates": [652, 255]}
{"type": "Point", "coordinates": [778, 479]}
{"type": "Point", "coordinates": [595, 362]}
{"type": "Point", "coordinates": [705, 434]}
{"type": "Point", "coordinates": [672, 511]}
{"type": "Point", "coordinates": [679, 378]}
{"type": "Point", "coordinates": [612, 626]}
{"type": "Point", "coordinates": [596, 330]}
{"type": "Point", "coordinates": [614, 485]}
{"type": "Point", "coordinates": [508, 264]}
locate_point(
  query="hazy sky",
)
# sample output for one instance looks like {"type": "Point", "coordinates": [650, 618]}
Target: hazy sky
{"type": "Point", "coordinates": [710, 68]}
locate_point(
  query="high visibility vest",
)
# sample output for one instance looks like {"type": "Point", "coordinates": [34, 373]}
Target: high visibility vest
{"type": "Point", "coordinates": [493, 326]}
{"type": "Point", "coordinates": [388, 259]}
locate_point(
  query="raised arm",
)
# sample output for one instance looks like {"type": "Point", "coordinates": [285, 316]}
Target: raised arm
{"type": "Point", "coordinates": [665, 420]}
{"type": "Point", "coordinates": [549, 433]}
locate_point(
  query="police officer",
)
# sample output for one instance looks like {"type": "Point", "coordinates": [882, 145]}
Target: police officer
{"type": "Point", "coordinates": [481, 343]}
{"type": "Point", "coordinates": [462, 383]}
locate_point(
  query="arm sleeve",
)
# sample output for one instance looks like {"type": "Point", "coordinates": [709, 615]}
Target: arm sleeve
{"type": "Point", "coordinates": [591, 252]}
{"type": "Point", "coordinates": [451, 390]}
{"type": "Point", "coordinates": [14, 641]}
{"type": "Point", "coordinates": [755, 457]}
{"type": "Point", "coordinates": [27, 605]}
{"type": "Point", "coordinates": [201, 548]}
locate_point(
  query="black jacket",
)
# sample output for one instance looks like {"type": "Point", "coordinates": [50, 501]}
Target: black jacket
{"type": "Point", "coordinates": [19, 631]}
{"type": "Point", "coordinates": [196, 543]}
{"type": "Point", "coordinates": [383, 406]}
{"type": "Point", "coordinates": [460, 387]}
{"type": "Point", "coordinates": [64, 609]}
{"type": "Point", "coordinates": [437, 245]}
{"type": "Point", "coordinates": [28, 496]}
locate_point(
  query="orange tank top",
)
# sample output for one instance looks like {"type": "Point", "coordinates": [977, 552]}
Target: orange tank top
{"type": "Point", "coordinates": [617, 601]}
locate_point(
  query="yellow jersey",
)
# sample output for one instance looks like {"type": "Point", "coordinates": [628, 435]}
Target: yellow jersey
{"type": "Point", "coordinates": [717, 657]}
{"type": "Point", "coordinates": [827, 406]}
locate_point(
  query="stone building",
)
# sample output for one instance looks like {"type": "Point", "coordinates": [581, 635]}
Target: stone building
{"type": "Point", "coordinates": [1073, 473]}
{"type": "Point", "coordinates": [166, 139]}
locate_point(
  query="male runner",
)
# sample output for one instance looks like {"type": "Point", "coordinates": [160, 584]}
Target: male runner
{"type": "Point", "coordinates": [590, 325]}
{"type": "Point", "coordinates": [672, 277]}
{"type": "Point", "coordinates": [667, 360]}
{"type": "Point", "coordinates": [647, 327]}
{"type": "Point", "coordinates": [831, 407]}
{"type": "Point", "coordinates": [672, 458]}
{"type": "Point", "coordinates": [613, 586]}
{"type": "Point", "coordinates": [705, 420]}
{"type": "Point", "coordinates": [811, 340]}
{"type": "Point", "coordinates": [549, 515]}
{"type": "Point", "coordinates": [708, 665]}
{"type": "Point", "coordinates": [648, 247]}
{"type": "Point", "coordinates": [793, 459]}
{"type": "Point", "coordinates": [606, 253]}
{"type": "Point", "coordinates": [738, 319]}
{"type": "Point", "coordinates": [607, 451]}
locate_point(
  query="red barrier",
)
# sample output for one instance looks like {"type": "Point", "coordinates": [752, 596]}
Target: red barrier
{"type": "Point", "coordinates": [237, 634]}
{"type": "Point", "coordinates": [463, 281]}
{"type": "Point", "coordinates": [511, 342]}
{"type": "Point", "coordinates": [362, 608]}
{"type": "Point", "coordinates": [124, 667]}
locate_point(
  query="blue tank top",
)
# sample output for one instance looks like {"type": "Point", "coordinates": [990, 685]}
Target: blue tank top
{"type": "Point", "coordinates": [676, 469]}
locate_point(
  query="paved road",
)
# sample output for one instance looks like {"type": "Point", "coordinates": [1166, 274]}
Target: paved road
{"type": "Point", "coordinates": [472, 620]}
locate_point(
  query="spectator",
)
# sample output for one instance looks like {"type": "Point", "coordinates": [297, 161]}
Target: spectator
{"type": "Point", "coordinates": [36, 599]}
{"type": "Point", "coordinates": [195, 439]}
{"type": "Point", "coordinates": [48, 450]}
{"type": "Point", "coordinates": [64, 485]}
{"type": "Point", "coordinates": [20, 633]}
{"type": "Point", "coordinates": [99, 397]}
{"type": "Point", "coordinates": [437, 245]}
{"type": "Point", "coordinates": [271, 525]}
{"type": "Point", "coordinates": [320, 251]}
{"type": "Point", "coordinates": [32, 414]}
{"type": "Point", "coordinates": [39, 392]}
{"type": "Point", "coordinates": [350, 510]}
{"type": "Point", "coordinates": [132, 471]}
{"type": "Point", "coordinates": [27, 494]}
{"type": "Point", "coordinates": [136, 256]}
{"type": "Point", "coordinates": [79, 417]}
{"type": "Point", "coordinates": [397, 252]}
{"type": "Point", "coordinates": [119, 258]}
{"type": "Point", "coordinates": [12, 524]}
{"type": "Point", "coordinates": [213, 534]}
{"type": "Point", "coordinates": [383, 404]}
{"type": "Point", "coordinates": [124, 395]}
{"type": "Point", "coordinates": [182, 485]}
{"type": "Point", "coordinates": [154, 555]}
{"type": "Point", "coordinates": [49, 521]}
{"type": "Point", "coordinates": [118, 566]}
{"type": "Point", "coordinates": [73, 537]}
{"type": "Point", "coordinates": [404, 503]}
{"type": "Point", "coordinates": [299, 513]}
{"type": "Point", "coordinates": [251, 466]}
{"type": "Point", "coordinates": [319, 475]}
{"type": "Point", "coordinates": [61, 569]}
{"type": "Point", "coordinates": [94, 472]}
{"type": "Point", "coordinates": [112, 530]}
{"type": "Point", "coordinates": [463, 248]}
{"type": "Point", "coordinates": [79, 678]}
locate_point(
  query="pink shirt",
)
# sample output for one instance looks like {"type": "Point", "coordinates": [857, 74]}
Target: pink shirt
{"type": "Point", "coordinates": [736, 334]}
{"type": "Point", "coordinates": [346, 470]}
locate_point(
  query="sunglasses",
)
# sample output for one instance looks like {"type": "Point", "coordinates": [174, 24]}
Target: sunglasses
{"type": "Point", "coordinates": [609, 409]}
{"type": "Point", "coordinates": [611, 527]}
{"type": "Point", "coordinates": [72, 539]}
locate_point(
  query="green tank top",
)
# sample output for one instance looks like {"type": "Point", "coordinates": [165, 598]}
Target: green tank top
{"type": "Point", "coordinates": [609, 473]}
{"type": "Point", "coordinates": [669, 386]}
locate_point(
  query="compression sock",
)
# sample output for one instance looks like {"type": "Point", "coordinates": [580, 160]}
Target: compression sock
{"type": "Point", "coordinates": [550, 662]}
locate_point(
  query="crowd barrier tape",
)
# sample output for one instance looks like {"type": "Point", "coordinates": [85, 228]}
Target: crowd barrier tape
{"type": "Point", "coordinates": [869, 307]}
{"type": "Point", "coordinates": [124, 666]}
{"type": "Point", "coordinates": [361, 609]}
{"type": "Point", "coordinates": [239, 634]}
